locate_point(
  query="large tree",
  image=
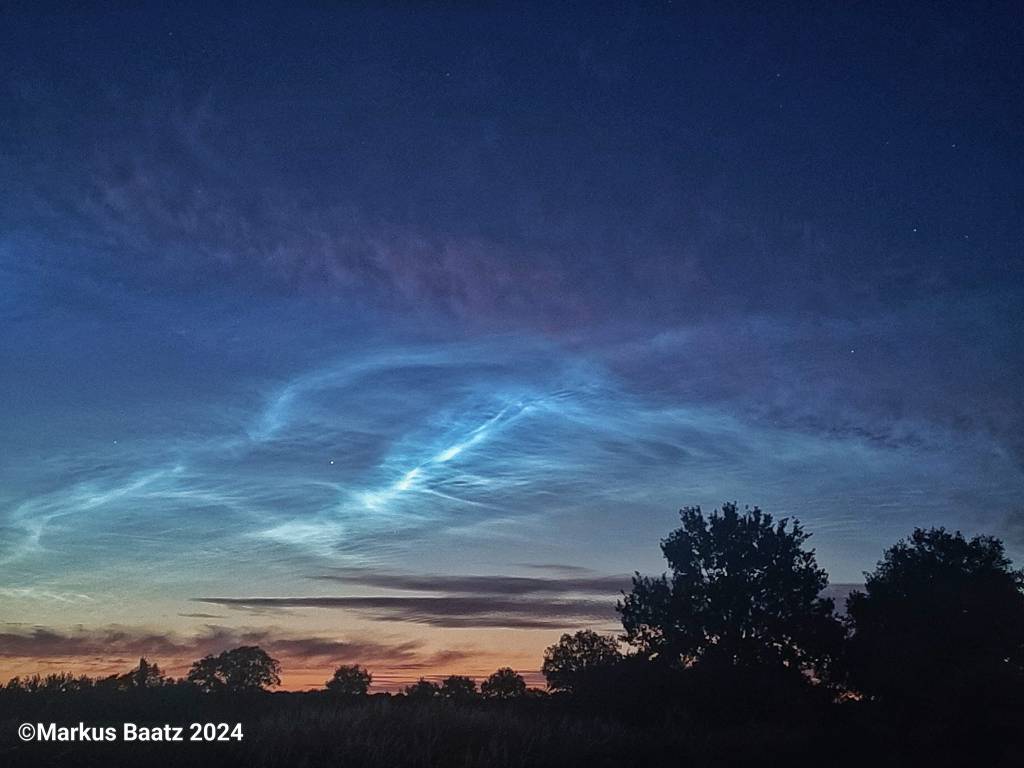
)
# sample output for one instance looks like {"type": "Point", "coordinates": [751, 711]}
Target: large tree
{"type": "Point", "coordinates": [504, 683]}
{"type": "Point", "coordinates": [458, 688]}
{"type": "Point", "coordinates": [244, 669]}
{"type": "Point", "coordinates": [940, 621]}
{"type": "Point", "coordinates": [743, 590]}
{"type": "Point", "coordinates": [423, 689]}
{"type": "Point", "coordinates": [349, 680]}
{"type": "Point", "coordinates": [574, 656]}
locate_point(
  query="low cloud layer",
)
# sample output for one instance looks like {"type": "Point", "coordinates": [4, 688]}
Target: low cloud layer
{"type": "Point", "coordinates": [461, 612]}
{"type": "Point", "coordinates": [478, 585]}
{"type": "Point", "coordinates": [127, 641]}
{"type": "Point", "coordinates": [110, 648]}
{"type": "Point", "coordinates": [462, 601]}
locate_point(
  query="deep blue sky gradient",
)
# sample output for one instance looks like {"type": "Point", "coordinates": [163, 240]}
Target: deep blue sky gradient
{"type": "Point", "coordinates": [472, 291]}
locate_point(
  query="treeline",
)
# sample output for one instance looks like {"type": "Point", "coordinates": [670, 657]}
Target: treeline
{"type": "Point", "coordinates": [250, 669]}
{"type": "Point", "coordinates": [738, 627]}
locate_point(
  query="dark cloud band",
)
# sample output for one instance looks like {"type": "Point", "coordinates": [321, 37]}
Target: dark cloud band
{"type": "Point", "coordinates": [461, 612]}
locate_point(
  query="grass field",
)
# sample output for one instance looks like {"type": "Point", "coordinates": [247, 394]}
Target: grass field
{"type": "Point", "coordinates": [296, 730]}
{"type": "Point", "coordinates": [310, 730]}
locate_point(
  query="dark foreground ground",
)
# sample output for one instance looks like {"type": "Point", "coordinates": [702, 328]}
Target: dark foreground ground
{"type": "Point", "coordinates": [297, 730]}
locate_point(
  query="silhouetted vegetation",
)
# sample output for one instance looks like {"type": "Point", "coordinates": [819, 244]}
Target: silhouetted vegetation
{"type": "Point", "coordinates": [733, 657]}
{"type": "Point", "coordinates": [241, 670]}
{"type": "Point", "coordinates": [743, 591]}
{"type": "Point", "coordinates": [576, 656]}
{"type": "Point", "coordinates": [423, 690]}
{"type": "Point", "coordinates": [503, 685]}
{"type": "Point", "coordinates": [349, 680]}
{"type": "Point", "coordinates": [939, 623]}
{"type": "Point", "coordinates": [458, 688]}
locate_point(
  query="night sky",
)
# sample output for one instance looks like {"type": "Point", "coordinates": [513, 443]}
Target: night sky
{"type": "Point", "coordinates": [399, 336]}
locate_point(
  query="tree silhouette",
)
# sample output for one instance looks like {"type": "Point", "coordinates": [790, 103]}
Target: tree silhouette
{"type": "Point", "coordinates": [743, 591]}
{"type": "Point", "coordinates": [349, 680]}
{"type": "Point", "coordinates": [423, 689]}
{"type": "Point", "coordinates": [505, 683]}
{"type": "Point", "coordinates": [575, 655]}
{"type": "Point", "coordinates": [146, 675]}
{"type": "Point", "coordinates": [458, 688]}
{"type": "Point", "coordinates": [244, 669]}
{"type": "Point", "coordinates": [941, 621]}
{"type": "Point", "coordinates": [54, 683]}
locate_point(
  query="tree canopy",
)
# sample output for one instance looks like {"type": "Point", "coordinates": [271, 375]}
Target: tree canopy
{"type": "Point", "coordinates": [940, 616]}
{"type": "Point", "coordinates": [423, 689]}
{"type": "Point", "coordinates": [505, 683]}
{"type": "Point", "coordinates": [247, 668]}
{"type": "Point", "coordinates": [458, 688]}
{"type": "Point", "coordinates": [743, 590]}
{"type": "Point", "coordinates": [349, 680]}
{"type": "Point", "coordinates": [575, 655]}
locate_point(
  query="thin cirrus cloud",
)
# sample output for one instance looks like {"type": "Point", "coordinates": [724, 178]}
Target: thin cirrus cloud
{"type": "Point", "coordinates": [178, 229]}
{"type": "Point", "coordinates": [553, 568]}
{"type": "Point", "coordinates": [370, 455]}
{"type": "Point", "coordinates": [369, 444]}
{"type": "Point", "coordinates": [473, 601]}
{"type": "Point", "coordinates": [466, 601]}
{"type": "Point", "coordinates": [479, 585]}
{"type": "Point", "coordinates": [41, 643]}
{"type": "Point", "coordinates": [450, 612]}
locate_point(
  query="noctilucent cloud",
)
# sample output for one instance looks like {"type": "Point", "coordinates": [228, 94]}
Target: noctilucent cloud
{"type": "Point", "coordinates": [398, 337]}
